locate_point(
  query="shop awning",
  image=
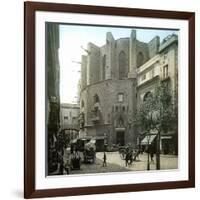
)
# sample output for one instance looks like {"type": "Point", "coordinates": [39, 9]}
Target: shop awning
{"type": "Point", "coordinates": [166, 137]}
{"type": "Point", "coordinates": [148, 139]}
{"type": "Point", "coordinates": [120, 129]}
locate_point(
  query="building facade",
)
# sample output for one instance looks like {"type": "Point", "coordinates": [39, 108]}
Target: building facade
{"type": "Point", "coordinates": [116, 77]}
{"type": "Point", "coordinates": [69, 119]}
{"type": "Point", "coordinates": [163, 67]}
{"type": "Point", "coordinates": [53, 94]}
{"type": "Point", "coordinates": [53, 79]}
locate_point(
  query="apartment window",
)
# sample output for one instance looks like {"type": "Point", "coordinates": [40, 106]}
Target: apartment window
{"type": "Point", "coordinates": [143, 77]}
{"type": "Point", "coordinates": [152, 73]}
{"type": "Point", "coordinates": [113, 108]}
{"type": "Point", "coordinates": [96, 98]}
{"type": "Point", "coordinates": [116, 108]}
{"type": "Point", "coordinates": [65, 117]}
{"type": "Point", "coordinates": [120, 122]}
{"type": "Point", "coordinates": [165, 71]}
{"type": "Point", "coordinates": [165, 56]}
{"type": "Point", "coordinates": [120, 97]}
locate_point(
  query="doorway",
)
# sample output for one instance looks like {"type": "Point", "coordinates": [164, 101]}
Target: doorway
{"type": "Point", "coordinates": [120, 138]}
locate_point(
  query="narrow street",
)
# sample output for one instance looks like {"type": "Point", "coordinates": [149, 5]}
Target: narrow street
{"type": "Point", "coordinates": [116, 164]}
{"type": "Point", "coordinates": [97, 167]}
{"type": "Point", "coordinates": [167, 161]}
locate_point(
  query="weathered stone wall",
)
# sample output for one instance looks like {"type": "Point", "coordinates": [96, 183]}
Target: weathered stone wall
{"type": "Point", "coordinates": [153, 46]}
{"type": "Point", "coordinates": [143, 48]}
{"type": "Point", "coordinates": [110, 55]}
{"type": "Point", "coordinates": [104, 81]}
{"type": "Point", "coordinates": [103, 53]}
{"type": "Point", "coordinates": [145, 88]}
{"type": "Point", "coordinates": [133, 55]}
{"type": "Point", "coordinates": [122, 45]}
{"type": "Point", "coordinates": [93, 64]}
{"type": "Point", "coordinates": [110, 108]}
{"type": "Point", "coordinates": [83, 72]}
{"type": "Point", "coordinates": [69, 114]}
{"type": "Point", "coordinates": [169, 57]}
{"type": "Point", "coordinates": [52, 61]}
{"type": "Point", "coordinates": [111, 50]}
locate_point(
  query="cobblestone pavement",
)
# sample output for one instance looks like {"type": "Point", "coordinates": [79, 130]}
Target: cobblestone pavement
{"type": "Point", "coordinates": [166, 161]}
{"type": "Point", "coordinates": [97, 167]}
{"type": "Point", "coordinates": [116, 164]}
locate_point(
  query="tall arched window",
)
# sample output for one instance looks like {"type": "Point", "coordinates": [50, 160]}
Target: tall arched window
{"type": "Point", "coordinates": [96, 98]}
{"type": "Point", "coordinates": [104, 68]}
{"type": "Point", "coordinates": [121, 122]}
{"type": "Point", "coordinates": [123, 71]}
{"type": "Point", "coordinates": [96, 106]}
{"type": "Point", "coordinates": [140, 59]}
{"type": "Point", "coordinates": [82, 104]}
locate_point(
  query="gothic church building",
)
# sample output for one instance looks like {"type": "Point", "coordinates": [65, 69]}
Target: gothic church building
{"type": "Point", "coordinates": [116, 77]}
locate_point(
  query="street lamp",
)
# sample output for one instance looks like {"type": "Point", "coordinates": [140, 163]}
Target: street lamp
{"type": "Point", "coordinates": [148, 140]}
{"type": "Point", "coordinates": [156, 116]}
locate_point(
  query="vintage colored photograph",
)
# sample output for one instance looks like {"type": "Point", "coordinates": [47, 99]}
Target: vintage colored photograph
{"type": "Point", "coordinates": [111, 99]}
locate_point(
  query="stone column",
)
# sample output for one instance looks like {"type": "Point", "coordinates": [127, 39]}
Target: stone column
{"type": "Point", "coordinates": [133, 55]}
{"type": "Point", "coordinates": [110, 51]}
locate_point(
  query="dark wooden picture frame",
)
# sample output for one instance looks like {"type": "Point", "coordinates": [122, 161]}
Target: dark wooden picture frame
{"type": "Point", "coordinates": [30, 8]}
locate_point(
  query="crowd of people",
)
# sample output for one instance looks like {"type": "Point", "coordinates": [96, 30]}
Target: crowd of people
{"type": "Point", "coordinates": [71, 159]}
{"type": "Point", "coordinates": [129, 154]}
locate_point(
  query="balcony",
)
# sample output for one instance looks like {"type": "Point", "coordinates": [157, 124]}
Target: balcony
{"type": "Point", "coordinates": [95, 119]}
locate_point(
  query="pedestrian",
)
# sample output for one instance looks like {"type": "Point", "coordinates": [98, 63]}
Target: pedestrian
{"type": "Point", "coordinates": [61, 162]}
{"type": "Point", "coordinates": [68, 161]}
{"type": "Point", "coordinates": [131, 157]}
{"type": "Point", "coordinates": [104, 159]}
{"type": "Point", "coordinates": [126, 159]}
{"type": "Point", "coordinates": [136, 154]}
{"type": "Point", "coordinates": [72, 149]}
{"type": "Point", "coordinates": [152, 155]}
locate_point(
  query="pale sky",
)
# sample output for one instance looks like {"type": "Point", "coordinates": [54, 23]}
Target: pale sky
{"type": "Point", "coordinates": [72, 37]}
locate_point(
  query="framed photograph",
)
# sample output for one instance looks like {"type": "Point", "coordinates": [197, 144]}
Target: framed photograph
{"type": "Point", "coordinates": [109, 100]}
